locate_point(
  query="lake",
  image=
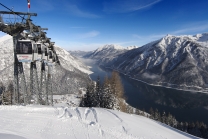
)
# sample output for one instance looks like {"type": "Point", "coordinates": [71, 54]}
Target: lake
{"type": "Point", "coordinates": [186, 106]}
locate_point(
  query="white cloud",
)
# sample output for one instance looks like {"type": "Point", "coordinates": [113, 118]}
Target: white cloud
{"type": "Point", "coordinates": [90, 34]}
{"type": "Point", "coordinates": [199, 27]}
{"type": "Point", "coordinates": [149, 37]}
{"type": "Point", "coordinates": [83, 46]}
{"type": "Point", "coordinates": [124, 6]}
{"type": "Point", "coordinates": [156, 36]}
{"type": "Point", "coordinates": [73, 9]}
{"type": "Point", "coordinates": [188, 29]}
{"type": "Point", "coordinates": [136, 36]}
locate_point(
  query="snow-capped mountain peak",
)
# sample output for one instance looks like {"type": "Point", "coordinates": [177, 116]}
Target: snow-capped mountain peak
{"type": "Point", "coordinates": [110, 46]}
{"type": "Point", "coordinates": [201, 39]}
{"type": "Point", "coordinates": [106, 50]}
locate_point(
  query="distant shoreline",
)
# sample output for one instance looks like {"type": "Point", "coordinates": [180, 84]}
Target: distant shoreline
{"type": "Point", "coordinates": [193, 91]}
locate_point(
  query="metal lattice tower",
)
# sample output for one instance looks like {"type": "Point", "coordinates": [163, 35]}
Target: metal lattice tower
{"type": "Point", "coordinates": [20, 93]}
{"type": "Point", "coordinates": [34, 85]}
{"type": "Point", "coordinates": [49, 89]}
{"type": "Point", "coordinates": [43, 83]}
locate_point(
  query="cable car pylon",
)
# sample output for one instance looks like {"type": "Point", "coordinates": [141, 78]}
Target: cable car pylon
{"type": "Point", "coordinates": [34, 86]}
{"type": "Point", "coordinates": [49, 89]}
{"type": "Point", "coordinates": [20, 94]}
{"type": "Point", "coordinates": [43, 83]}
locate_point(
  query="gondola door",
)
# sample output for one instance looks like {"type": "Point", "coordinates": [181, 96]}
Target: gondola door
{"type": "Point", "coordinates": [24, 51]}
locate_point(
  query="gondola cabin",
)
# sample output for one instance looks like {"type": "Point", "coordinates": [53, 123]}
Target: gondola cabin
{"type": "Point", "coordinates": [26, 51]}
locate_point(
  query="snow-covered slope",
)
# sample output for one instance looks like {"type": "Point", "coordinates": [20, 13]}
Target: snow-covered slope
{"type": "Point", "coordinates": [176, 61]}
{"type": "Point", "coordinates": [41, 122]}
{"type": "Point", "coordinates": [70, 62]}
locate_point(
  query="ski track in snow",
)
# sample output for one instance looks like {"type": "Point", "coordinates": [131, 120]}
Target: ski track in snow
{"type": "Point", "coordinates": [95, 114]}
{"type": "Point", "coordinates": [123, 125]}
{"type": "Point", "coordinates": [78, 123]}
{"type": "Point", "coordinates": [115, 116]}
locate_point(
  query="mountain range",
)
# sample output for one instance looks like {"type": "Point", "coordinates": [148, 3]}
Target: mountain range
{"type": "Point", "coordinates": [174, 61]}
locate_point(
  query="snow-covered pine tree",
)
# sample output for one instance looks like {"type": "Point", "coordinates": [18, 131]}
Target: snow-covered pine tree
{"type": "Point", "coordinates": [107, 96]}
{"type": "Point", "coordinates": [157, 115]}
{"type": "Point", "coordinates": [89, 98]}
{"type": "Point", "coordinates": [163, 118]}
{"type": "Point", "coordinates": [151, 112]}
{"type": "Point", "coordinates": [6, 93]}
{"type": "Point", "coordinates": [98, 94]}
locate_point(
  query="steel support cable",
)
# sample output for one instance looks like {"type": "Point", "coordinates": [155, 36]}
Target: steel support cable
{"type": "Point", "coordinates": [11, 11]}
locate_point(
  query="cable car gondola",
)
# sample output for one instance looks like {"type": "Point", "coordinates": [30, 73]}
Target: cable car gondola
{"type": "Point", "coordinates": [26, 51]}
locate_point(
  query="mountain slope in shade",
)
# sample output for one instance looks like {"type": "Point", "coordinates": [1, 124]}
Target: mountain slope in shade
{"type": "Point", "coordinates": [72, 70]}
{"type": "Point", "coordinates": [41, 122]}
{"type": "Point", "coordinates": [176, 61]}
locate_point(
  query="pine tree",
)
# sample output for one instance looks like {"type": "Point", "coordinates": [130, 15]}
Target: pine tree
{"type": "Point", "coordinates": [157, 115]}
{"type": "Point", "coordinates": [169, 120]}
{"type": "Point", "coordinates": [151, 112]}
{"type": "Point", "coordinates": [163, 119]}
{"type": "Point", "coordinates": [2, 90]}
{"type": "Point", "coordinates": [107, 99]}
{"type": "Point", "coordinates": [98, 94]}
{"type": "Point", "coordinates": [89, 98]}
{"type": "Point", "coordinates": [6, 93]}
{"type": "Point", "coordinates": [118, 92]}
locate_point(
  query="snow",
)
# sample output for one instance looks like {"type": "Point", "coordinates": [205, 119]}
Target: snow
{"type": "Point", "coordinates": [131, 47]}
{"type": "Point", "coordinates": [110, 46]}
{"type": "Point", "coordinates": [5, 37]}
{"type": "Point", "coordinates": [199, 38]}
{"type": "Point", "coordinates": [58, 122]}
{"type": "Point", "coordinates": [69, 62]}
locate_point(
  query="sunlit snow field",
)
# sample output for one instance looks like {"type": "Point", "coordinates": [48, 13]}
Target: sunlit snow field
{"type": "Point", "coordinates": [47, 122]}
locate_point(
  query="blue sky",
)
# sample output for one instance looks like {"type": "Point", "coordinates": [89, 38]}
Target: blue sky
{"type": "Point", "coordinates": [89, 24]}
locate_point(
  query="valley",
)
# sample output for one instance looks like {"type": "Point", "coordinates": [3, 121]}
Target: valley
{"type": "Point", "coordinates": [186, 106]}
